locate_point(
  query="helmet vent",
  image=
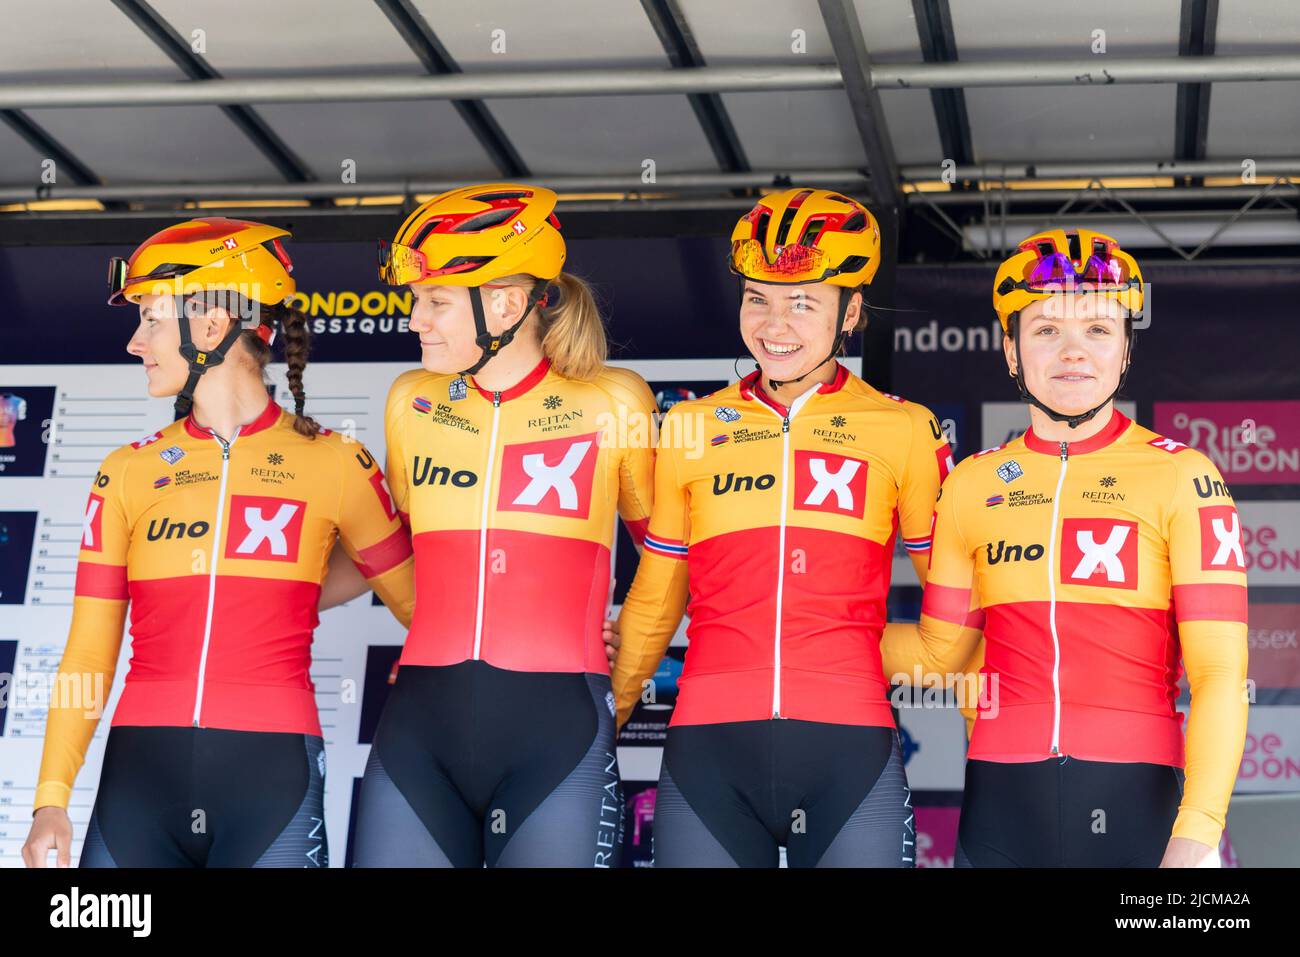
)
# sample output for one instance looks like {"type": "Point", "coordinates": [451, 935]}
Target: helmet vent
{"type": "Point", "coordinates": [493, 217]}
{"type": "Point", "coordinates": [854, 224]}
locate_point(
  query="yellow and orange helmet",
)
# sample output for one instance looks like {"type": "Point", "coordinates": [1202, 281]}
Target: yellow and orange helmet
{"type": "Point", "coordinates": [210, 253]}
{"type": "Point", "coordinates": [1061, 261]}
{"type": "Point", "coordinates": [475, 234]}
{"type": "Point", "coordinates": [807, 235]}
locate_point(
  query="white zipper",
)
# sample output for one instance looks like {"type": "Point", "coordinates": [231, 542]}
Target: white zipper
{"type": "Point", "coordinates": [1051, 607]}
{"type": "Point", "coordinates": [212, 570]}
{"type": "Point", "coordinates": [780, 554]}
{"type": "Point", "coordinates": [483, 527]}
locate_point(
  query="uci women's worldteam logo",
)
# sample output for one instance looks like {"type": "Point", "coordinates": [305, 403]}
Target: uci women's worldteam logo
{"type": "Point", "coordinates": [421, 405]}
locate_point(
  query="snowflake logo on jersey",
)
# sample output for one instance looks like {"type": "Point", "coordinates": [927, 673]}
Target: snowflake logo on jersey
{"type": "Point", "coordinates": [275, 458]}
{"type": "Point", "coordinates": [172, 455]}
{"type": "Point", "coordinates": [552, 402]}
{"type": "Point", "coordinates": [147, 440]}
{"type": "Point", "coordinates": [839, 421]}
{"type": "Point", "coordinates": [1009, 471]}
{"type": "Point", "coordinates": [726, 413]}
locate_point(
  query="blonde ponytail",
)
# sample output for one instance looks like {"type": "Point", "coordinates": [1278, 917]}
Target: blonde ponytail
{"type": "Point", "coordinates": [572, 333]}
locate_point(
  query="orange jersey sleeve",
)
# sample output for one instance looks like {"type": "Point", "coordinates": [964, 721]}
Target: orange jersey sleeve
{"type": "Point", "coordinates": [85, 675]}
{"type": "Point", "coordinates": [395, 441]}
{"type": "Point", "coordinates": [1208, 577]}
{"type": "Point", "coordinates": [656, 601]}
{"type": "Point", "coordinates": [928, 462]}
{"type": "Point", "coordinates": [631, 429]}
{"type": "Point", "coordinates": [949, 631]}
{"type": "Point", "coordinates": [372, 533]}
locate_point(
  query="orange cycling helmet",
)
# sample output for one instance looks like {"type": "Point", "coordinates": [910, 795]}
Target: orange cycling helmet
{"type": "Point", "coordinates": [473, 235]}
{"type": "Point", "coordinates": [806, 235]}
{"type": "Point", "coordinates": [211, 254]}
{"type": "Point", "coordinates": [1060, 262]}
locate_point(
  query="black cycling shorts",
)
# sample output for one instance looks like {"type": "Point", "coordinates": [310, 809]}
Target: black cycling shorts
{"type": "Point", "coordinates": [474, 765]}
{"type": "Point", "coordinates": [207, 797]}
{"type": "Point", "coordinates": [1065, 812]}
{"type": "Point", "coordinates": [733, 794]}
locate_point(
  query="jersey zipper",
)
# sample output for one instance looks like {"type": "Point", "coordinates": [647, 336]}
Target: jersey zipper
{"type": "Point", "coordinates": [780, 554]}
{"type": "Point", "coordinates": [1051, 606]}
{"type": "Point", "coordinates": [212, 571]}
{"type": "Point", "coordinates": [483, 527]}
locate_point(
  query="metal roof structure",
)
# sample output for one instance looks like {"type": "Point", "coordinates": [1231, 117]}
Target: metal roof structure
{"type": "Point", "coordinates": [1174, 120]}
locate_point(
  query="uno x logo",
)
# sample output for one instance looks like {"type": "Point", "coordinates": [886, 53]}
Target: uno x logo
{"type": "Point", "coordinates": [1099, 551]}
{"type": "Point", "coordinates": [264, 528]}
{"type": "Point", "coordinates": [92, 523]}
{"type": "Point", "coordinates": [552, 477]}
{"type": "Point", "coordinates": [1221, 539]}
{"type": "Point", "coordinates": [824, 482]}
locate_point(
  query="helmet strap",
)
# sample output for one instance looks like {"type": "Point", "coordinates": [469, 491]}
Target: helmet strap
{"type": "Point", "coordinates": [1073, 421]}
{"type": "Point", "coordinates": [200, 362]}
{"type": "Point", "coordinates": [489, 345]}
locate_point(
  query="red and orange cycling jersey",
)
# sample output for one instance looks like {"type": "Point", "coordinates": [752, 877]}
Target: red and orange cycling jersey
{"type": "Point", "coordinates": [512, 499]}
{"type": "Point", "coordinates": [1095, 568]}
{"type": "Point", "coordinates": [219, 548]}
{"type": "Point", "coordinates": [781, 523]}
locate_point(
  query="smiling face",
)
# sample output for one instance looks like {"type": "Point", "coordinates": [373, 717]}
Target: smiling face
{"type": "Point", "coordinates": [444, 321]}
{"type": "Point", "coordinates": [789, 329]}
{"type": "Point", "coordinates": [1072, 348]}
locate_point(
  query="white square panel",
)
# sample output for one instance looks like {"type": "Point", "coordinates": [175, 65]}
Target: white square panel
{"type": "Point", "coordinates": [168, 144]}
{"type": "Point", "coordinates": [815, 130]}
{"type": "Point", "coordinates": [254, 37]}
{"type": "Point", "coordinates": [65, 41]}
{"type": "Point", "coordinates": [527, 34]}
{"type": "Point", "coordinates": [412, 139]}
{"type": "Point", "coordinates": [1254, 120]}
{"type": "Point", "coordinates": [1031, 28]}
{"type": "Point", "coordinates": [761, 31]}
{"type": "Point", "coordinates": [605, 134]}
{"type": "Point", "coordinates": [1072, 123]}
{"type": "Point", "coordinates": [1257, 26]}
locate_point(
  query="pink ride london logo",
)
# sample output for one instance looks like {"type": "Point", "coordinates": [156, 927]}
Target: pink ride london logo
{"type": "Point", "coordinates": [1252, 443]}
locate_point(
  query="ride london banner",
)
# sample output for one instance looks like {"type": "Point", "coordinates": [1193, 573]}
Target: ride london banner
{"type": "Point", "coordinates": [1216, 367]}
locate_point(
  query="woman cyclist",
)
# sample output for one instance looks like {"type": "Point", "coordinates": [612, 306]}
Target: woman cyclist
{"type": "Point", "coordinates": [507, 458]}
{"type": "Point", "coordinates": [1095, 554]}
{"type": "Point", "coordinates": [215, 531]}
{"type": "Point", "coordinates": [781, 529]}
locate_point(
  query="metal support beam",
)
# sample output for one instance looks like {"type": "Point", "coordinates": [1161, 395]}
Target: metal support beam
{"type": "Point", "coordinates": [709, 79]}
{"type": "Point", "coordinates": [152, 24]}
{"type": "Point", "coordinates": [1197, 27]}
{"type": "Point", "coordinates": [851, 180]}
{"type": "Point", "coordinates": [845, 31]}
{"type": "Point", "coordinates": [683, 53]}
{"type": "Point", "coordinates": [1022, 196]}
{"type": "Point", "coordinates": [1010, 172]}
{"type": "Point", "coordinates": [419, 36]}
{"type": "Point", "coordinates": [939, 45]}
